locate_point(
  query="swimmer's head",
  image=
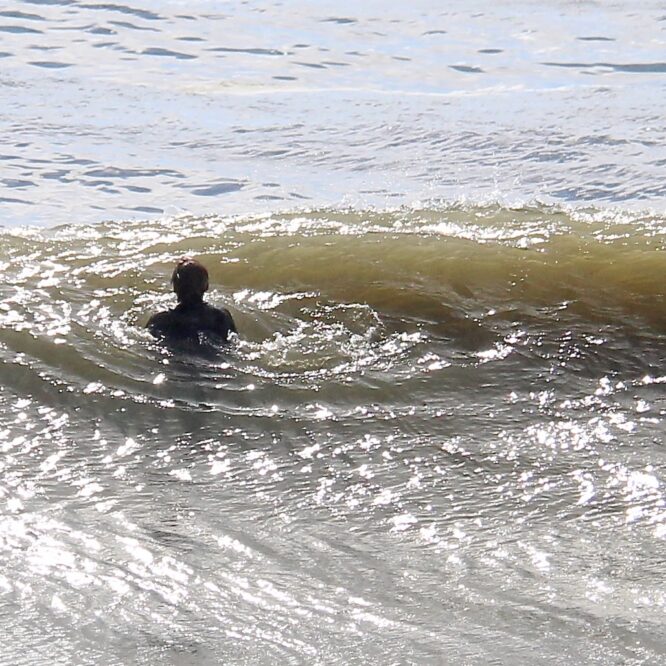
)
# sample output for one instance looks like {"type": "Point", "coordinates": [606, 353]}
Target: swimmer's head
{"type": "Point", "coordinates": [189, 280]}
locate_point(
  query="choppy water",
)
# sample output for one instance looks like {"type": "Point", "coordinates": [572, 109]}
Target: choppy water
{"type": "Point", "coordinates": [132, 109]}
{"type": "Point", "coordinates": [440, 436]}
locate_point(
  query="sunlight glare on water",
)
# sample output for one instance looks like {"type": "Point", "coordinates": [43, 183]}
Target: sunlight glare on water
{"type": "Point", "coordinates": [351, 474]}
{"type": "Point", "coordinates": [439, 436]}
{"type": "Point", "coordinates": [156, 107]}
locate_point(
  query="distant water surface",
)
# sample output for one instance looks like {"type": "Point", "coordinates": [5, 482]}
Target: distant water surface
{"type": "Point", "coordinates": [116, 110]}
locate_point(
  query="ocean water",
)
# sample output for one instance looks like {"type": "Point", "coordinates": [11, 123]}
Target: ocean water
{"type": "Point", "coordinates": [441, 230]}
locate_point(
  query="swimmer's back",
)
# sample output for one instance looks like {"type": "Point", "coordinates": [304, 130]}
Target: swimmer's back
{"type": "Point", "coordinates": [188, 322]}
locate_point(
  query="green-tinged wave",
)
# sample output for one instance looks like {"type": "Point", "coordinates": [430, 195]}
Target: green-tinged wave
{"type": "Point", "coordinates": [332, 297]}
{"type": "Point", "coordinates": [422, 264]}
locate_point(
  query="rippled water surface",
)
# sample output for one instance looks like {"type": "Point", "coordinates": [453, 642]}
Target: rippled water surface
{"type": "Point", "coordinates": [132, 110]}
{"type": "Point", "coordinates": [440, 228]}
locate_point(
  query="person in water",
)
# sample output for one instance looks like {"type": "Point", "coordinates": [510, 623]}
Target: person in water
{"type": "Point", "coordinates": [192, 320]}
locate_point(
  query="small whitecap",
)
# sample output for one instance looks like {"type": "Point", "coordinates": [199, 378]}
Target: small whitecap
{"type": "Point", "coordinates": [403, 522]}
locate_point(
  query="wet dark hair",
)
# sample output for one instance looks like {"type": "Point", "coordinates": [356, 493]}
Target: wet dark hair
{"type": "Point", "coordinates": [189, 280]}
